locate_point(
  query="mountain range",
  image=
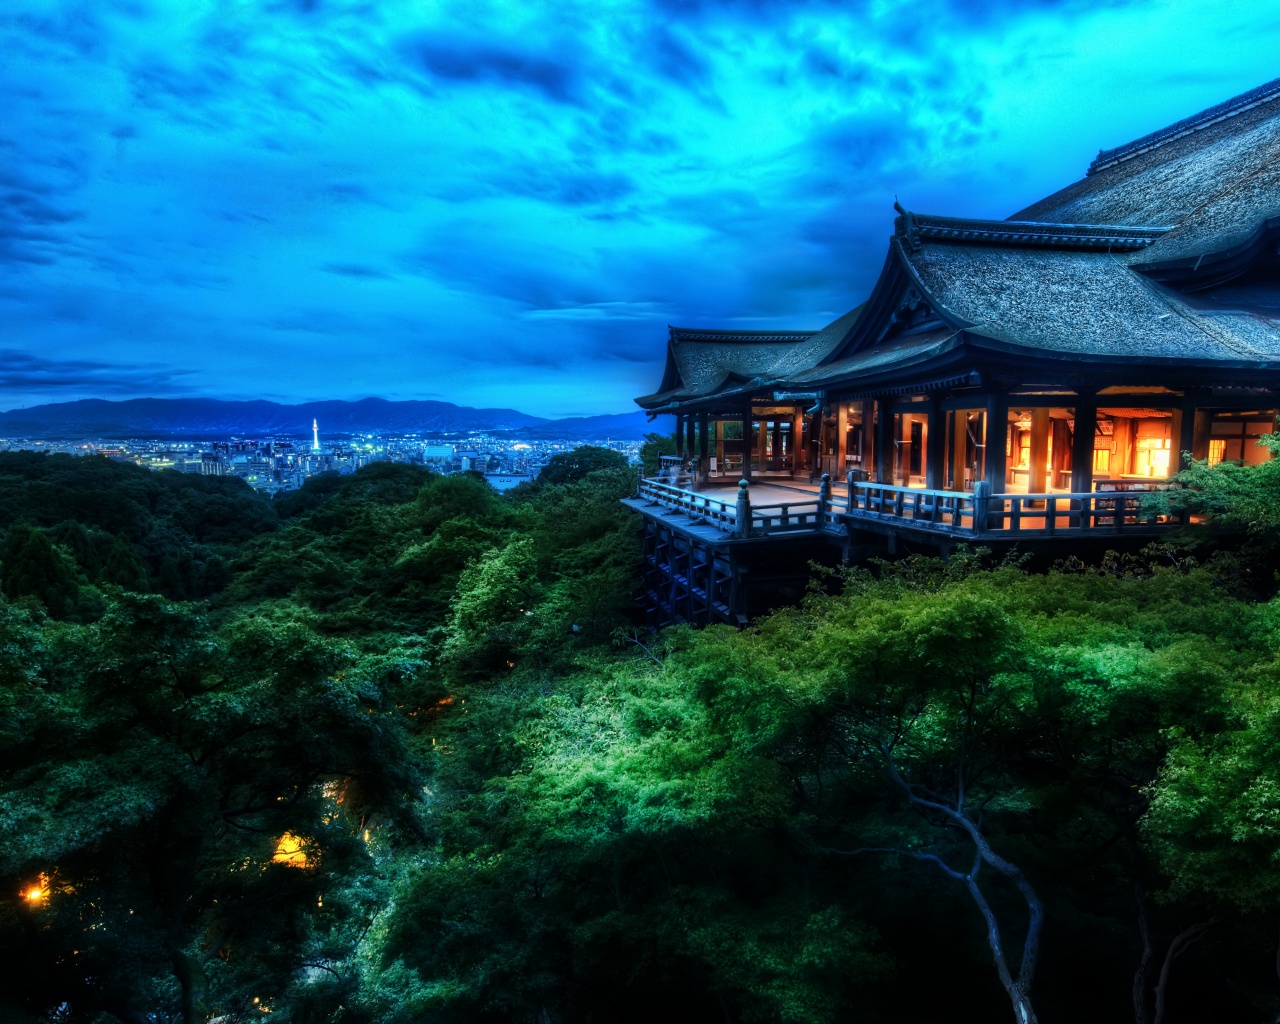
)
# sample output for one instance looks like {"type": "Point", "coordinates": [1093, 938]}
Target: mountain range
{"type": "Point", "coordinates": [214, 418]}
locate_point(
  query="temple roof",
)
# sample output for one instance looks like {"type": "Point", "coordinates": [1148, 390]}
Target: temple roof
{"type": "Point", "coordinates": [704, 362]}
{"type": "Point", "coordinates": [1086, 274]}
{"type": "Point", "coordinates": [917, 227]}
{"type": "Point", "coordinates": [1214, 178]}
{"type": "Point", "coordinates": [1083, 304]}
{"type": "Point", "coordinates": [898, 354]}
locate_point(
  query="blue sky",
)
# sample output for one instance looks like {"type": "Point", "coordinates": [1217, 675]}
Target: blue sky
{"type": "Point", "coordinates": [506, 203]}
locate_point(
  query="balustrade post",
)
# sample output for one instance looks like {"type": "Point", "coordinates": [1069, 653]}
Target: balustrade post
{"type": "Point", "coordinates": [742, 528]}
{"type": "Point", "coordinates": [852, 502]}
{"type": "Point", "coordinates": [824, 498]}
{"type": "Point", "coordinates": [981, 500]}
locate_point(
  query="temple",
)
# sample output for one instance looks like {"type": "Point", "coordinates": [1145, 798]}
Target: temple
{"type": "Point", "coordinates": [1020, 380]}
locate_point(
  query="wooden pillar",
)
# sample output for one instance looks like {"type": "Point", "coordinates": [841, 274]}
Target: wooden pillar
{"type": "Point", "coordinates": [719, 446]}
{"type": "Point", "coordinates": [1183, 435]}
{"type": "Point", "coordinates": [842, 439]}
{"type": "Point", "coordinates": [1082, 444]}
{"type": "Point", "coordinates": [935, 446]}
{"type": "Point", "coordinates": [762, 441]}
{"type": "Point", "coordinates": [1122, 438]}
{"type": "Point", "coordinates": [884, 442]}
{"type": "Point", "coordinates": [868, 438]}
{"type": "Point", "coordinates": [819, 443]}
{"type": "Point", "coordinates": [777, 442]}
{"type": "Point", "coordinates": [680, 435]}
{"type": "Point", "coordinates": [997, 437]}
{"type": "Point", "coordinates": [703, 447]}
{"type": "Point", "coordinates": [959, 421]}
{"type": "Point", "coordinates": [797, 442]}
{"type": "Point", "coordinates": [690, 444]}
{"type": "Point", "coordinates": [1200, 434]}
{"type": "Point", "coordinates": [1039, 451]}
{"type": "Point", "coordinates": [746, 444]}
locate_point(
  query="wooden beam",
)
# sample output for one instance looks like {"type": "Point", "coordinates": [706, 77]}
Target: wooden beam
{"type": "Point", "coordinates": [703, 447]}
{"type": "Point", "coordinates": [934, 445]}
{"type": "Point", "coordinates": [1039, 451]}
{"type": "Point", "coordinates": [868, 438]}
{"type": "Point", "coordinates": [997, 437]}
{"type": "Point", "coordinates": [1122, 438]}
{"type": "Point", "coordinates": [842, 439]}
{"type": "Point", "coordinates": [1200, 434]}
{"type": "Point", "coordinates": [797, 441]}
{"type": "Point", "coordinates": [1082, 445]}
{"type": "Point", "coordinates": [959, 420]}
{"type": "Point", "coordinates": [884, 442]}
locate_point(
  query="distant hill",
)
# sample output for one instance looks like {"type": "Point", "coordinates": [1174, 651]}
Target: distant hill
{"type": "Point", "coordinates": [211, 417]}
{"type": "Point", "coordinates": [623, 426]}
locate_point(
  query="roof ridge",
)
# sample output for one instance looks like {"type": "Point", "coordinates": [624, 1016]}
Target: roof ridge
{"type": "Point", "coordinates": [1196, 122]}
{"type": "Point", "coordinates": [915, 227]}
{"type": "Point", "coordinates": [721, 334]}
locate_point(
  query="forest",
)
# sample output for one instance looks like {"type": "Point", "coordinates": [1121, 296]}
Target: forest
{"type": "Point", "coordinates": [395, 748]}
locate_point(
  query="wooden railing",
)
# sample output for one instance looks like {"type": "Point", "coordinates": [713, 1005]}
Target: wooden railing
{"type": "Point", "coordinates": [1049, 514]}
{"type": "Point", "coordinates": [982, 513]}
{"type": "Point", "coordinates": [720, 514]}
{"type": "Point", "coordinates": [970, 514]}
{"type": "Point", "coordinates": [945, 510]}
{"type": "Point", "coordinates": [732, 517]}
{"type": "Point", "coordinates": [787, 517]}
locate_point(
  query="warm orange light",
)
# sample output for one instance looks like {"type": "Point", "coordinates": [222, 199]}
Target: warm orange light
{"type": "Point", "coordinates": [38, 891]}
{"type": "Point", "coordinates": [291, 851]}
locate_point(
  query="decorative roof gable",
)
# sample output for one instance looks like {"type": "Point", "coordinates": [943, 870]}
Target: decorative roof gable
{"type": "Point", "coordinates": [914, 228]}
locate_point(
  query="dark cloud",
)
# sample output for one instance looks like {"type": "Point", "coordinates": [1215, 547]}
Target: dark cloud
{"type": "Point", "coordinates": [280, 187]}
{"type": "Point", "coordinates": [32, 215]}
{"type": "Point", "coordinates": [675, 59]}
{"type": "Point", "coordinates": [356, 270]}
{"type": "Point", "coordinates": [461, 59]}
{"type": "Point", "coordinates": [563, 186]}
{"type": "Point", "coordinates": [24, 371]}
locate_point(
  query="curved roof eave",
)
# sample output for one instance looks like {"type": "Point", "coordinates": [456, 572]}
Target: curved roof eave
{"type": "Point", "coordinates": [978, 339]}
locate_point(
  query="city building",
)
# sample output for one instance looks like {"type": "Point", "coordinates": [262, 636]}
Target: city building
{"type": "Point", "coordinates": [1005, 380]}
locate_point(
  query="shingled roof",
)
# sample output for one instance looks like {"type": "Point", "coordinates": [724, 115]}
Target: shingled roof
{"type": "Point", "coordinates": [1213, 178]}
{"type": "Point", "coordinates": [1081, 303]}
{"type": "Point", "coordinates": [1084, 274]}
{"type": "Point", "coordinates": [703, 362]}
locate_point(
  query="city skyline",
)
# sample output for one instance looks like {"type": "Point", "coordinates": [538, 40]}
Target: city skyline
{"type": "Point", "coordinates": [504, 206]}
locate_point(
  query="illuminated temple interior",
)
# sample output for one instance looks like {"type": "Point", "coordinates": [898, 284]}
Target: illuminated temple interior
{"type": "Point", "coordinates": [1021, 381]}
{"type": "Point", "coordinates": [1142, 301]}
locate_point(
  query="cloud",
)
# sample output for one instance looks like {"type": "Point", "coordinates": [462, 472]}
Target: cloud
{"type": "Point", "coordinates": [476, 61]}
{"type": "Point", "coordinates": [356, 270]}
{"type": "Point", "coordinates": [33, 216]}
{"type": "Point", "coordinates": [24, 371]}
{"type": "Point", "coordinates": [487, 199]}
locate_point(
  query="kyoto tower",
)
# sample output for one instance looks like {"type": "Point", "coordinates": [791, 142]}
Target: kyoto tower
{"type": "Point", "coordinates": [315, 436]}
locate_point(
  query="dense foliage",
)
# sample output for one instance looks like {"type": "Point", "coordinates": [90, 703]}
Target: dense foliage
{"type": "Point", "coordinates": [409, 755]}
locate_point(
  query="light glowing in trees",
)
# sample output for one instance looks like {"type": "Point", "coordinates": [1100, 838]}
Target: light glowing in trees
{"type": "Point", "coordinates": [291, 850]}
